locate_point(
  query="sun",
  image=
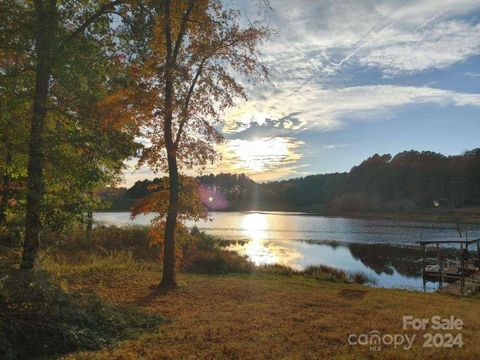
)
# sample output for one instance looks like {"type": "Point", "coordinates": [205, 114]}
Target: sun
{"type": "Point", "coordinates": [260, 154]}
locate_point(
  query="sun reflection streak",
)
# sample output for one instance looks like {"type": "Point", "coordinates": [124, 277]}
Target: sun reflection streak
{"type": "Point", "coordinates": [255, 227]}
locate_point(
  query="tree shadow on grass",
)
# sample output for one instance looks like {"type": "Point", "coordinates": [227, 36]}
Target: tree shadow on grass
{"type": "Point", "coordinates": [155, 292]}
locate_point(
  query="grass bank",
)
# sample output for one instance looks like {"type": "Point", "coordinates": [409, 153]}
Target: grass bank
{"type": "Point", "coordinates": [262, 316]}
{"type": "Point", "coordinates": [240, 312]}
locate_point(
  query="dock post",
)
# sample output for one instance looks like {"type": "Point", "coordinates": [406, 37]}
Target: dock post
{"type": "Point", "coordinates": [462, 270]}
{"type": "Point", "coordinates": [423, 260]}
{"type": "Point", "coordinates": [478, 255]}
{"type": "Point", "coordinates": [466, 259]}
{"type": "Point", "coordinates": [478, 261]}
{"type": "Point", "coordinates": [440, 265]}
{"type": "Point", "coordinates": [423, 268]}
{"type": "Point", "coordinates": [478, 252]}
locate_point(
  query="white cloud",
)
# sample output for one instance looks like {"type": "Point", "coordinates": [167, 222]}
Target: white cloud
{"type": "Point", "coordinates": [437, 47]}
{"type": "Point", "coordinates": [396, 36]}
{"type": "Point", "coordinates": [320, 44]}
{"type": "Point", "coordinates": [328, 109]}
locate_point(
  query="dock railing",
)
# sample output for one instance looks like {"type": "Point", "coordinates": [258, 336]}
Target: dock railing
{"type": "Point", "coordinates": [466, 268]}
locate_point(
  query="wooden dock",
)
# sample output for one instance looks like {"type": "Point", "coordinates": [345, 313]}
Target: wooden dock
{"type": "Point", "coordinates": [451, 281]}
{"type": "Point", "coordinates": [458, 277]}
{"type": "Point", "coordinates": [471, 285]}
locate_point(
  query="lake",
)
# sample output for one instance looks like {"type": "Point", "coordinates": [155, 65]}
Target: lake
{"type": "Point", "coordinates": [384, 250]}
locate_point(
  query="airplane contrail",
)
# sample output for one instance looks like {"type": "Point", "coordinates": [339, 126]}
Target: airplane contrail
{"type": "Point", "coordinates": [429, 21]}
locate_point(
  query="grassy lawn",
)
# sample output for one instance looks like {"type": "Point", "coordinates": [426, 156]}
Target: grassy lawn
{"type": "Point", "coordinates": [271, 317]}
{"type": "Point", "coordinates": [275, 314]}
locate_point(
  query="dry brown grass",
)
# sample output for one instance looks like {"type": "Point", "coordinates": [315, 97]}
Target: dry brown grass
{"type": "Point", "coordinates": [274, 317]}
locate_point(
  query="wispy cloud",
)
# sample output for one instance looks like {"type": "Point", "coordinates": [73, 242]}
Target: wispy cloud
{"type": "Point", "coordinates": [436, 47]}
{"type": "Point", "coordinates": [394, 36]}
{"type": "Point", "coordinates": [328, 109]}
{"type": "Point", "coordinates": [321, 43]}
{"type": "Point", "coordinates": [472, 74]}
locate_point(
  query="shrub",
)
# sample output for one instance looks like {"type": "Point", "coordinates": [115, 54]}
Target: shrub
{"type": "Point", "coordinates": [206, 254]}
{"type": "Point", "coordinates": [9, 256]}
{"type": "Point", "coordinates": [361, 278]}
{"type": "Point", "coordinates": [215, 261]}
{"type": "Point", "coordinates": [78, 244]}
{"type": "Point", "coordinates": [11, 231]}
{"type": "Point", "coordinates": [38, 319]}
{"type": "Point", "coordinates": [323, 272]}
{"type": "Point", "coordinates": [277, 269]}
{"type": "Point", "coordinates": [328, 273]}
{"type": "Point", "coordinates": [203, 241]}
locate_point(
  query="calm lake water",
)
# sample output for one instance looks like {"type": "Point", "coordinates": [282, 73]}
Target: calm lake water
{"type": "Point", "coordinates": [385, 250]}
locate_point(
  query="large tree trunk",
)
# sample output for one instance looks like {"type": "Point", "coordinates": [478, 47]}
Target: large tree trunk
{"type": "Point", "coordinates": [172, 49]}
{"type": "Point", "coordinates": [168, 279]}
{"type": "Point", "coordinates": [44, 37]}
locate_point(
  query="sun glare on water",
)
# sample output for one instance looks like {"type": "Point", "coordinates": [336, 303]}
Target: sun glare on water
{"type": "Point", "coordinates": [255, 227]}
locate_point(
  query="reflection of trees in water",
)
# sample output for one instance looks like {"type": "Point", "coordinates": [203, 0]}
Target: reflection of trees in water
{"type": "Point", "coordinates": [381, 258]}
{"type": "Point", "coordinates": [332, 243]}
{"type": "Point", "coordinates": [384, 258]}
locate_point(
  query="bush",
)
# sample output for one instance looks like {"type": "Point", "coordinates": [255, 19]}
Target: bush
{"type": "Point", "coordinates": [102, 240]}
{"type": "Point", "coordinates": [203, 241]}
{"type": "Point", "coordinates": [206, 255]}
{"type": "Point", "coordinates": [361, 278]}
{"type": "Point", "coordinates": [277, 269]}
{"type": "Point", "coordinates": [215, 261]}
{"type": "Point", "coordinates": [38, 319]}
{"type": "Point", "coordinates": [323, 272]}
{"type": "Point", "coordinates": [328, 273]}
{"type": "Point", "coordinates": [11, 231]}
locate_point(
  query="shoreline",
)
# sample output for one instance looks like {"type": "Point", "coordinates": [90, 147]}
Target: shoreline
{"type": "Point", "coordinates": [462, 216]}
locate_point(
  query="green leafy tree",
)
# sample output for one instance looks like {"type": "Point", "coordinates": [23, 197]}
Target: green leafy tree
{"type": "Point", "coordinates": [15, 103]}
{"type": "Point", "coordinates": [67, 46]}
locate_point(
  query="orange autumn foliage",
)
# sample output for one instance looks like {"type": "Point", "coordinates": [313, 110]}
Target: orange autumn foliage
{"type": "Point", "coordinates": [190, 208]}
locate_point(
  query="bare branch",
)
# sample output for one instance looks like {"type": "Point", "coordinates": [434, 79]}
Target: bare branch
{"type": "Point", "coordinates": [187, 102]}
{"type": "Point", "coordinates": [183, 29]}
{"type": "Point", "coordinates": [92, 18]}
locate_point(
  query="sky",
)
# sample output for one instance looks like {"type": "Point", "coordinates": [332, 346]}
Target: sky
{"type": "Point", "coordinates": [349, 79]}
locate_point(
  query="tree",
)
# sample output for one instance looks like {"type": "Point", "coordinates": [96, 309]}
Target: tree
{"type": "Point", "coordinates": [181, 88]}
{"type": "Point", "coordinates": [15, 88]}
{"type": "Point", "coordinates": [54, 31]}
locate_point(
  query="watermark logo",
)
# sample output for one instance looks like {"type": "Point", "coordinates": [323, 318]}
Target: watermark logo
{"type": "Point", "coordinates": [438, 333]}
{"type": "Point", "coordinates": [375, 340]}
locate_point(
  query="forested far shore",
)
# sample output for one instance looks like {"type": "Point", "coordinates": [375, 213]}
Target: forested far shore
{"type": "Point", "coordinates": [382, 186]}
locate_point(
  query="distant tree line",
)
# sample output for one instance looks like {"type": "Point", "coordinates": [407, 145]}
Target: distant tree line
{"type": "Point", "coordinates": [408, 181]}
